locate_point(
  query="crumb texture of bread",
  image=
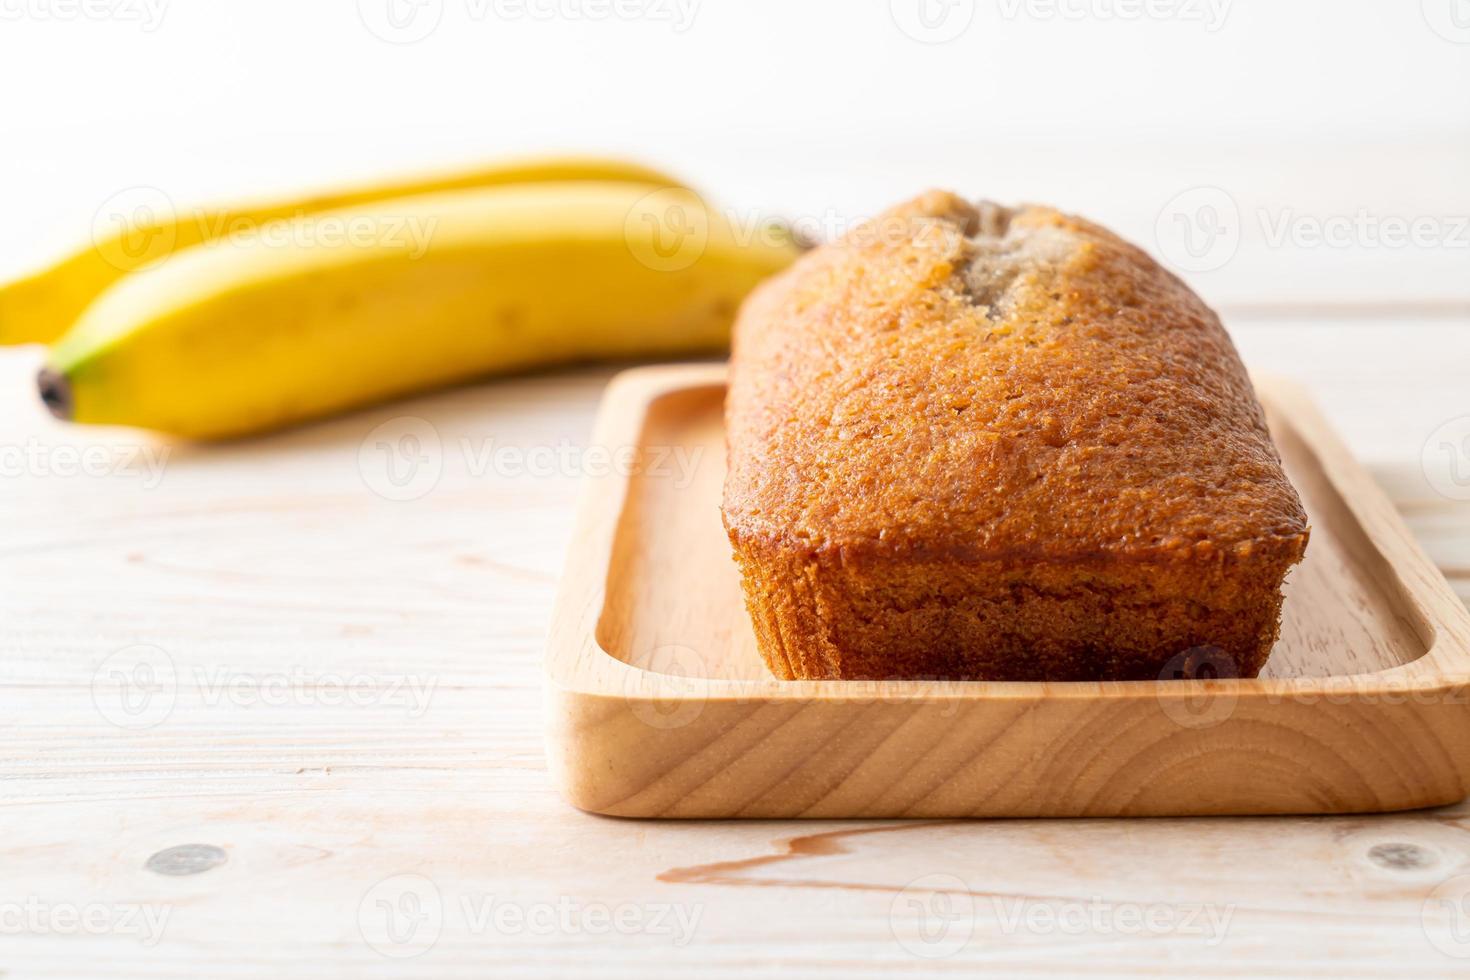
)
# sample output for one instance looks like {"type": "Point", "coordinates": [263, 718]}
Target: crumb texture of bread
{"type": "Point", "coordinates": [974, 442]}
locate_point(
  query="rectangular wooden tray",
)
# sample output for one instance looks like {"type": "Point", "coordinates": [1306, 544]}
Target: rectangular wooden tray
{"type": "Point", "coordinates": [659, 706]}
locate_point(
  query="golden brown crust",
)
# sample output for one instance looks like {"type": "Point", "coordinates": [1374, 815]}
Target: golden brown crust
{"type": "Point", "coordinates": [974, 442]}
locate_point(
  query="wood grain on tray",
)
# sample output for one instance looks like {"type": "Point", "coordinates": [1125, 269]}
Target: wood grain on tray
{"type": "Point", "coordinates": [660, 705]}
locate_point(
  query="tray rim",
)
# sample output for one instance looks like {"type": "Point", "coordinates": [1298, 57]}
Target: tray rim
{"type": "Point", "coordinates": [576, 664]}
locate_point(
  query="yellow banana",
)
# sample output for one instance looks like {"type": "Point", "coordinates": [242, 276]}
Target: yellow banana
{"type": "Point", "coordinates": [241, 336]}
{"type": "Point", "coordinates": [41, 307]}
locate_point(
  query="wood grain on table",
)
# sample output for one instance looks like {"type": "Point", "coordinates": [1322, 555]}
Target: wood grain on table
{"type": "Point", "coordinates": [275, 706]}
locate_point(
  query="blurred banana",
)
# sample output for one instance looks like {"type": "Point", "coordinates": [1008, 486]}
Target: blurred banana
{"type": "Point", "coordinates": [40, 307]}
{"type": "Point", "coordinates": [240, 337]}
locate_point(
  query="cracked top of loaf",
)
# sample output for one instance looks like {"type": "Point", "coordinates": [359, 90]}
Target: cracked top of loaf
{"type": "Point", "coordinates": [978, 382]}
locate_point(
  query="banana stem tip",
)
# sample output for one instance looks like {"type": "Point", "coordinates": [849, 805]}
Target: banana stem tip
{"type": "Point", "coordinates": [55, 392]}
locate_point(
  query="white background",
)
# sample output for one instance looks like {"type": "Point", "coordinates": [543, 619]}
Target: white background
{"type": "Point", "coordinates": [1306, 114]}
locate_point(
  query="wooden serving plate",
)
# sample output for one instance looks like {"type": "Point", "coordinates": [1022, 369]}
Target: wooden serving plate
{"type": "Point", "coordinates": [659, 705]}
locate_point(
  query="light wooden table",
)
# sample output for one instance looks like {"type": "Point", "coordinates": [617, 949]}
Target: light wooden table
{"type": "Point", "coordinates": [260, 718]}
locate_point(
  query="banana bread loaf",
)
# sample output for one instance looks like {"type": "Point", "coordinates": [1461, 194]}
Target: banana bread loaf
{"type": "Point", "coordinates": [972, 442]}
